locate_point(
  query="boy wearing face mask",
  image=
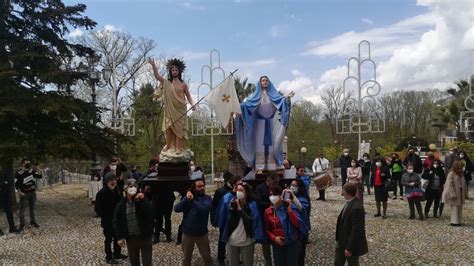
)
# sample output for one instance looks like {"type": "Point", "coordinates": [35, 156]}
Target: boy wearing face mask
{"type": "Point", "coordinates": [436, 179]}
{"type": "Point", "coordinates": [106, 200]}
{"type": "Point", "coordinates": [133, 224]}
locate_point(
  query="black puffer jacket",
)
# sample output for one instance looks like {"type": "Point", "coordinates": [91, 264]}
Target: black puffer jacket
{"type": "Point", "coordinates": [105, 202]}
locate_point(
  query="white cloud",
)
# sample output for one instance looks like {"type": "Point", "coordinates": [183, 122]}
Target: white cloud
{"type": "Point", "coordinates": [109, 27]}
{"type": "Point", "coordinates": [367, 21]}
{"type": "Point", "coordinates": [303, 86]}
{"type": "Point", "coordinates": [427, 51]}
{"type": "Point", "coordinates": [386, 39]}
{"type": "Point", "coordinates": [76, 33]}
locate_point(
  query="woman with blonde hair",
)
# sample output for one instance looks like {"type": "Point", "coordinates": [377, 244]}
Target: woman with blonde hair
{"type": "Point", "coordinates": [454, 192]}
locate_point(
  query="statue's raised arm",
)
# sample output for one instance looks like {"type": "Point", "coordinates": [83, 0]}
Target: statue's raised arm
{"type": "Point", "coordinates": [156, 73]}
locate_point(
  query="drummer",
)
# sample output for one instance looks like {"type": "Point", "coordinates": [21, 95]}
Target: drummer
{"type": "Point", "coordinates": [321, 166]}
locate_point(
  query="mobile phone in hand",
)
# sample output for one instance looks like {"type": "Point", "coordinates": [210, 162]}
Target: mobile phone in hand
{"type": "Point", "coordinates": [286, 195]}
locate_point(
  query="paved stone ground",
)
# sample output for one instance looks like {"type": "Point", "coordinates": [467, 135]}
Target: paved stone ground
{"type": "Point", "coordinates": [70, 235]}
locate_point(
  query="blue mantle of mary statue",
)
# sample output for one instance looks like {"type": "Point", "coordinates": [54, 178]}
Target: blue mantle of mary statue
{"type": "Point", "coordinates": [262, 127]}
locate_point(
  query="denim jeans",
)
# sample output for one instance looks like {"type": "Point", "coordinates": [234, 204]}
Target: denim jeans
{"type": "Point", "coordinates": [30, 199]}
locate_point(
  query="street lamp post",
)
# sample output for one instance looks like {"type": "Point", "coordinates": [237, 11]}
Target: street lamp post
{"type": "Point", "coordinates": [303, 151]}
{"type": "Point", "coordinates": [94, 77]}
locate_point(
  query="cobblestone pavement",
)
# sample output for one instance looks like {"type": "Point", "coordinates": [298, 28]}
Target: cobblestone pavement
{"type": "Point", "coordinates": [70, 235]}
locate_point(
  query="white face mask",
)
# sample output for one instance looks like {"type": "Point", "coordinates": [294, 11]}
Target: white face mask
{"type": "Point", "coordinates": [96, 178]}
{"type": "Point", "coordinates": [193, 168]}
{"type": "Point", "coordinates": [435, 166]}
{"type": "Point", "coordinates": [113, 167]}
{"type": "Point", "coordinates": [274, 199]}
{"type": "Point", "coordinates": [132, 191]}
{"type": "Point", "coordinates": [294, 189]}
{"type": "Point", "coordinates": [461, 156]}
{"type": "Point", "coordinates": [345, 153]}
{"type": "Point", "coordinates": [365, 158]}
{"type": "Point", "coordinates": [240, 195]}
{"type": "Point", "coordinates": [451, 152]}
{"type": "Point", "coordinates": [353, 164]}
{"type": "Point", "coordinates": [410, 171]}
{"type": "Point", "coordinates": [378, 164]}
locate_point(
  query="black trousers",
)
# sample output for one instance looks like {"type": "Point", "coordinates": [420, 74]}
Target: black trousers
{"type": "Point", "coordinates": [302, 255]}
{"type": "Point", "coordinates": [343, 176]}
{"type": "Point", "coordinates": [5, 198]}
{"type": "Point", "coordinates": [221, 248]}
{"type": "Point", "coordinates": [139, 245]}
{"type": "Point", "coordinates": [397, 177]}
{"type": "Point", "coordinates": [432, 195]}
{"type": "Point", "coordinates": [411, 204]}
{"type": "Point", "coordinates": [340, 259]}
{"type": "Point", "coordinates": [163, 212]}
{"type": "Point", "coordinates": [110, 240]}
{"type": "Point", "coordinates": [322, 194]}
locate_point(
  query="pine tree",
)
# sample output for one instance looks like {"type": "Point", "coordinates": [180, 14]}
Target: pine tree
{"type": "Point", "coordinates": [39, 117]}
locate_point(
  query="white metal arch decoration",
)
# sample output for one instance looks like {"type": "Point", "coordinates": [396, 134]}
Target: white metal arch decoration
{"type": "Point", "coordinates": [354, 119]}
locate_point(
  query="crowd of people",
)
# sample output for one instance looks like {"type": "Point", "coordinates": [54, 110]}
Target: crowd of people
{"type": "Point", "coordinates": [273, 215]}
{"type": "Point", "coordinates": [432, 180]}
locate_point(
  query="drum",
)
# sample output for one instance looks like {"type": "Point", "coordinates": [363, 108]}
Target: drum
{"type": "Point", "coordinates": [323, 181]}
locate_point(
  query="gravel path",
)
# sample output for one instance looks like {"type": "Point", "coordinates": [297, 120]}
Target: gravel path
{"type": "Point", "coordinates": [69, 234]}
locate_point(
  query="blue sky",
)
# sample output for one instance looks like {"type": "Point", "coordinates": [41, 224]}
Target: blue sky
{"type": "Point", "coordinates": [303, 45]}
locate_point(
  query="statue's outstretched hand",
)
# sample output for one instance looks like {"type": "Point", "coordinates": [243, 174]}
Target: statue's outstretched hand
{"type": "Point", "coordinates": [151, 61]}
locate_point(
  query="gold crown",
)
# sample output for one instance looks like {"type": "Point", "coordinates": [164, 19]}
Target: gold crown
{"type": "Point", "coordinates": [177, 63]}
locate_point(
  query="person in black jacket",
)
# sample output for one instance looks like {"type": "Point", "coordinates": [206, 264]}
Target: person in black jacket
{"type": "Point", "coordinates": [6, 201]}
{"type": "Point", "coordinates": [239, 232]}
{"type": "Point", "coordinates": [133, 224]}
{"type": "Point", "coordinates": [262, 197]}
{"type": "Point", "coordinates": [344, 163]}
{"type": "Point", "coordinates": [220, 192]}
{"type": "Point", "coordinates": [106, 200]}
{"type": "Point", "coordinates": [436, 179]}
{"type": "Point", "coordinates": [117, 168]}
{"type": "Point", "coordinates": [468, 168]}
{"type": "Point", "coordinates": [415, 160]}
{"type": "Point", "coordinates": [25, 185]}
{"type": "Point", "coordinates": [366, 164]}
{"type": "Point", "coordinates": [380, 175]}
{"type": "Point", "coordinates": [163, 199]}
{"type": "Point", "coordinates": [351, 240]}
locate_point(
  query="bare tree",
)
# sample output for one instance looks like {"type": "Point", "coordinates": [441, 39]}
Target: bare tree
{"type": "Point", "coordinates": [336, 103]}
{"type": "Point", "coordinates": [126, 56]}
